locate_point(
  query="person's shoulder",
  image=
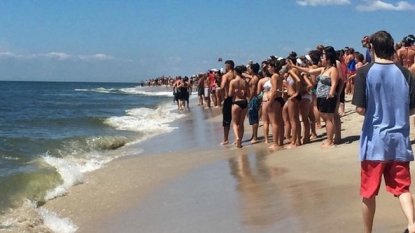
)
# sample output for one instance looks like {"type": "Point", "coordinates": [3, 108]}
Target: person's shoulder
{"type": "Point", "coordinates": [405, 71]}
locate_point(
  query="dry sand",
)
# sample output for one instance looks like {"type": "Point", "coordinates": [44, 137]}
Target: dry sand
{"type": "Point", "coordinates": [204, 187]}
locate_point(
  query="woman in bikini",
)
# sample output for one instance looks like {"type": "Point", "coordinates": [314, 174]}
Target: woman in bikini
{"type": "Point", "coordinates": [327, 79]}
{"type": "Point", "coordinates": [239, 90]}
{"type": "Point", "coordinates": [314, 57]}
{"type": "Point", "coordinates": [264, 87]}
{"type": "Point", "coordinates": [291, 108]}
{"type": "Point", "coordinates": [275, 102]}
{"type": "Point", "coordinates": [305, 102]}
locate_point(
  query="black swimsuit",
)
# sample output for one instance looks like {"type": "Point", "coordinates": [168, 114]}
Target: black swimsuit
{"type": "Point", "coordinates": [280, 100]}
{"type": "Point", "coordinates": [241, 103]}
{"type": "Point", "coordinates": [298, 97]}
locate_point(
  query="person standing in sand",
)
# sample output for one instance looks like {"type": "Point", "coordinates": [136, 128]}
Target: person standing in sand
{"type": "Point", "coordinates": [253, 105]}
{"type": "Point", "coordinates": [201, 88]}
{"type": "Point", "coordinates": [385, 147]}
{"type": "Point", "coordinates": [327, 84]}
{"type": "Point", "coordinates": [227, 103]}
{"type": "Point", "coordinates": [274, 98]}
{"type": "Point", "coordinates": [239, 90]}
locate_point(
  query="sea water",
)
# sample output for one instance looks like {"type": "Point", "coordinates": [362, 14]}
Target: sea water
{"type": "Point", "coordinates": [53, 132]}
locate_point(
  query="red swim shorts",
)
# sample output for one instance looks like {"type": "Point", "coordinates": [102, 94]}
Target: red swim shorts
{"type": "Point", "coordinates": [396, 174]}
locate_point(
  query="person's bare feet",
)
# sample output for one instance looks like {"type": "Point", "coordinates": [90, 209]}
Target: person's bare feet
{"type": "Point", "coordinates": [327, 145]}
{"type": "Point", "coordinates": [238, 143]}
{"type": "Point", "coordinates": [254, 141]}
{"type": "Point", "coordinates": [313, 136]}
{"type": "Point", "coordinates": [274, 147]}
{"type": "Point", "coordinates": [290, 146]}
{"type": "Point", "coordinates": [225, 142]}
{"type": "Point", "coordinates": [318, 126]}
{"type": "Point", "coordinates": [411, 229]}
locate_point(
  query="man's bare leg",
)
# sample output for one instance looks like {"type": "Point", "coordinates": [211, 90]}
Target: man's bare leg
{"type": "Point", "coordinates": [226, 135]}
{"type": "Point", "coordinates": [368, 211]}
{"type": "Point", "coordinates": [254, 133]}
{"type": "Point", "coordinates": [407, 205]}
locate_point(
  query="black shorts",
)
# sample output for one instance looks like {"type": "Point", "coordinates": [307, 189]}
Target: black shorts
{"type": "Point", "coordinates": [325, 105]}
{"type": "Point", "coordinates": [200, 91]}
{"type": "Point", "coordinates": [227, 111]}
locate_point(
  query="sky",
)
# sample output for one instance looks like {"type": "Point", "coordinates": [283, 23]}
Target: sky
{"type": "Point", "coordinates": [133, 40]}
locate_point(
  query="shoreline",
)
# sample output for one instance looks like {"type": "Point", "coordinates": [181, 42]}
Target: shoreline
{"type": "Point", "coordinates": [304, 189]}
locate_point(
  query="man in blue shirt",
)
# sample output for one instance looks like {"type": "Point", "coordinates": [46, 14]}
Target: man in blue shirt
{"type": "Point", "coordinates": [366, 44]}
{"type": "Point", "coordinates": [385, 95]}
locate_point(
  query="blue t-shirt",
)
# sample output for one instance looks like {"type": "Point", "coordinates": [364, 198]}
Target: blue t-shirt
{"type": "Point", "coordinates": [368, 57]}
{"type": "Point", "coordinates": [387, 92]}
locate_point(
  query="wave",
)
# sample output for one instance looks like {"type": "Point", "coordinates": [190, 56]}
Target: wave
{"type": "Point", "coordinates": [168, 92]}
{"type": "Point", "coordinates": [147, 121]}
{"type": "Point", "coordinates": [137, 91]}
{"type": "Point", "coordinates": [29, 218]}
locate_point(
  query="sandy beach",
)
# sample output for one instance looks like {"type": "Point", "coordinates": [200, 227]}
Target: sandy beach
{"type": "Point", "coordinates": [185, 182]}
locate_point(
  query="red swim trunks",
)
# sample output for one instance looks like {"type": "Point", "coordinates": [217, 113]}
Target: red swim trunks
{"type": "Point", "coordinates": [396, 174]}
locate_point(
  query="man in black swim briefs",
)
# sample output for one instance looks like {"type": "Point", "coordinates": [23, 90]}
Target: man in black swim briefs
{"type": "Point", "coordinates": [227, 103]}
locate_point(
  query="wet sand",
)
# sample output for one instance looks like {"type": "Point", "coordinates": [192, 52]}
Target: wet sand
{"type": "Point", "coordinates": [186, 182]}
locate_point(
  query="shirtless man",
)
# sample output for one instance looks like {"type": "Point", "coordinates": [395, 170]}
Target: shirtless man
{"type": "Point", "coordinates": [253, 106]}
{"type": "Point", "coordinates": [201, 89]}
{"type": "Point", "coordinates": [227, 103]}
{"type": "Point", "coordinates": [406, 54]}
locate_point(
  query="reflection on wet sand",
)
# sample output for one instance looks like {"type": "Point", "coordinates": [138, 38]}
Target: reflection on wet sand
{"type": "Point", "coordinates": [274, 198]}
{"type": "Point", "coordinates": [261, 201]}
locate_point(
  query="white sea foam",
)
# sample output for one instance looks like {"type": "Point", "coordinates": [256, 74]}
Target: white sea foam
{"type": "Point", "coordinates": [81, 89]}
{"type": "Point", "coordinates": [103, 90]}
{"type": "Point", "coordinates": [137, 91]}
{"type": "Point", "coordinates": [55, 223]}
{"type": "Point", "coordinates": [70, 173]}
{"type": "Point", "coordinates": [146, 120]}
{"type": "Point", "coordinates": [29, 218]}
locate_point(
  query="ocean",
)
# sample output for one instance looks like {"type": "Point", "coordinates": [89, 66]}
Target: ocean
{"type": "Point", "coordinates": [54, 132]}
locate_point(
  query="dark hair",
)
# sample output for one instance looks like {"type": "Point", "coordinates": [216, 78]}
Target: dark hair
{"type": "Point", "coordinates": [383, 44]}
{"type": "Point", "coordinates": [293, 57]}
{"type": "Point", "coordinates": [331, 55]}
{"type": "Point", "coordinates": [277, 65]}
{"type": "Point", "coordinates": [255, 68]}
{"type": "Point", "coordinates": [315, 56]}
{"type": "Point", "coordinates": [360, 57]}
{"type": "Point", "coordinates": [231, 63]}
{"type": "Point", "coordinates": [409, 40]}
{"type": "Point", "coordinates": [264, 62]}
{"type": "Point", "coordinates": [240, 69]}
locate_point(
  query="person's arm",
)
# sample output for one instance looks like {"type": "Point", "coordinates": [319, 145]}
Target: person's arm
{"type": "Point", "coordinates": [297, 86]}
{"type": "Point", "coordinates": [223, 82]}
{"type": "Point", "coordinates": [315, 71]}
{"type": "Point", "coordinates": [231, 89]}
{"type": "Point", "coordinates": [352, 76]}
{"type": "Point", "coordinates": [259, 86]}
{"type": "Point", "coordinates": [412, 70]}
{"type": "Point", "coordinates": [307, 82]}
{"type": "Point", "coordinates": [359, 94]}
{"type": "Point", "coordinates": [248, 91]}
{"type": "Point", "coordinates": [334, 76]}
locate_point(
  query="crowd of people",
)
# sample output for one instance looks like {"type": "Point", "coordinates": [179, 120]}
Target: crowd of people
{"type": "Point", "coordinates": [293, 94]}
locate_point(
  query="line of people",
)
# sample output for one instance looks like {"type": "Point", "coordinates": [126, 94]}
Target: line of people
{"type": "Point", "coordinates": [290, 94]}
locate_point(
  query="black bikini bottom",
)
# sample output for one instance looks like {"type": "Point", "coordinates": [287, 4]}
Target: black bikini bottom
{"type": "Point", "coordinates": [280, 100]}
{"type": "Point", "coordinates": [298, 97]}
{"type": "Point", "coordinates": [241, 103]}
